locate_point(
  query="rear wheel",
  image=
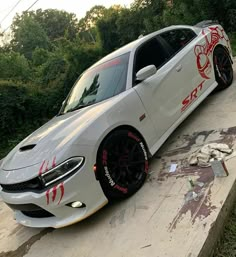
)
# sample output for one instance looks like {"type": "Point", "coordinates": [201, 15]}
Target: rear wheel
{"type": "Point", "coordinates": [223, 68]}
{"type": "Point", "coordinates": [122, 164]}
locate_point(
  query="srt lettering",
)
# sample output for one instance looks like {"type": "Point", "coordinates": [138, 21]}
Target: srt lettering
{"type": "Point", "coordinates": [191, 97]}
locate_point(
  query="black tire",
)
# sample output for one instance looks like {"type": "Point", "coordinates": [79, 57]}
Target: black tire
{"type": "Point", "coordinates": [122, 164]}
{"type": "Point", "coordinates": [223, 68]}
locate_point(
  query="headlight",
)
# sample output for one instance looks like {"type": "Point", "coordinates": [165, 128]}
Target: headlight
{"type": "Point", "coordinates": [62, 170]}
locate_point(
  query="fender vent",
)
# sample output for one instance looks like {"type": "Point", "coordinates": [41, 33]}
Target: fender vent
{"type": "Point", "coordinates": [27, 148]}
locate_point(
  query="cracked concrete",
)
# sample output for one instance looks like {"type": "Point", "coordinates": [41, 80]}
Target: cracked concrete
{"type": "Point", "coordinates": [155, 221]}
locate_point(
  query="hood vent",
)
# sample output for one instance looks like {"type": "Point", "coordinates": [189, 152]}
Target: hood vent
{"type": "Point", "coordinates": [27, 148]}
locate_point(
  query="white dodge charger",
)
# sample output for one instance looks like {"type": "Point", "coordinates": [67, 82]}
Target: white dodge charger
{"type": "Point", "coordinates": [117, 115]}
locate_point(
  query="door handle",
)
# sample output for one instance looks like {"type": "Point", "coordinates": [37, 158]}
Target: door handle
{"type": "Point", "coordinates": [178, 68]}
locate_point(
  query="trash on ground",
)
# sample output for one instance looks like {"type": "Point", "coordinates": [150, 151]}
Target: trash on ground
{"type": "Point", "coordinates": [208, 153]}
{"type": "Point", "coordinates": [195, 196]}
{"type": "Point", "coordinates": [191, 183]}
{"type": "Point", "coordinates": [173, 167]}
{"type": "Point", "coordinates": [219, 168]}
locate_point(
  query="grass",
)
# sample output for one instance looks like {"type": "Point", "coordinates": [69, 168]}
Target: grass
{"type": "Point", "coordinates": [227, 245]}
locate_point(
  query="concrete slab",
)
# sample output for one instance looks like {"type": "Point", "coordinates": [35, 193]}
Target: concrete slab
{"type": "Point", "coordinates": [161, 220]}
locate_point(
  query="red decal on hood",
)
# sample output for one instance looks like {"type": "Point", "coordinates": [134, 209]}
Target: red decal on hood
{"type": "Point", "coordinates": [46, 168]}
{"type": "Point", "coordinates": [41, 168]}
{"type": "Point", "coordinates": [54, 162]}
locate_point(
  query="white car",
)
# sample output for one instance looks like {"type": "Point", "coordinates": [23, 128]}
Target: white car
{"type": "Point", "coordinates": [117, 115]}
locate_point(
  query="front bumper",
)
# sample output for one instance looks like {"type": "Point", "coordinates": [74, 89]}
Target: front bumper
{"type": "Point", "coordinates": [82, 186]}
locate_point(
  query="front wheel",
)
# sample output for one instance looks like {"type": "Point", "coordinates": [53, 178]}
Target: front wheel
{"type": "Point", "coordinates": [223, 68]}
{"type": "Point", "coordinates": [122, 164]}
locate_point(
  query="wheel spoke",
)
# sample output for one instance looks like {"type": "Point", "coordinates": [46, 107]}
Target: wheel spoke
{"type": "Point", "coordinates": [225, 61]}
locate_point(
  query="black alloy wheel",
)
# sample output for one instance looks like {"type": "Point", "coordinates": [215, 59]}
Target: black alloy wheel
{"type": "Point", "coordinates": [223, 68]}
{"type": "Point", "coordinates": [122, 164]}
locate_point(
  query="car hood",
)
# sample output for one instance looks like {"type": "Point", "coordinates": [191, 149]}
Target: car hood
{"type": "Point", "coordinates": [53, 137]}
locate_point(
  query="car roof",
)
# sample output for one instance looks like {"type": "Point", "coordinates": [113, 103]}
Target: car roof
{"type": "Point", "coordinates": [135, 44]}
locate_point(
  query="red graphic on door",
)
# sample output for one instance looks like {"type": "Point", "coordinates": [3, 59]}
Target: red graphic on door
{"type": "Point", "coordinates": [192, 97]}
{"type": "Point", "coordinates": [212, 37]}
{"type": "Point", "coordinates": [54, 192]}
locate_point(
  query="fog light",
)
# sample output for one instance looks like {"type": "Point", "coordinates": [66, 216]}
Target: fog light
{"type": "Point", "coordinates": [76, 204]}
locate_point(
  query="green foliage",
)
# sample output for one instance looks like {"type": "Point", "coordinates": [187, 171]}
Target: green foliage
{"type": "Point", "coordinates": [39, 56]}
{"type": "Point", "coordinates": [57, 24]}
{"type": "Point", "coordinates": [20, 104]}
{"type": "Point", "coordinates": [129, 26]}
{"type": "Point", "coordinates": [232, 37]}
{"type": "Point", "coordinates": [54, 23]}
{"type": "Point", "coordinates": [53, 70]}
{"type": "Point", "coordinates": [14, 66]}
{"type": "Point", "coordinates": [79, 57]}
{"type": "Point", "coordinates": [107, 28]}
{"type": "Point", "coordinates": [28, 35]}
{"type": "Point", "coordinates": [191, 12]}
{"type": "Point", "coordinates": [87, 25]}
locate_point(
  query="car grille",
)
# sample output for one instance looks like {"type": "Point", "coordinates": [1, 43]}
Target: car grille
{"type": "Point", "coordinates": [31, 210]}
{"type": "Point", "coordinates": [38, 214]}
{"type": "Point", "coordinates": [32, 185]}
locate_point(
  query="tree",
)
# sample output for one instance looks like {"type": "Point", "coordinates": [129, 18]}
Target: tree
{"type": "Point", "coordinates": [108, 31]}
{"type": "Point", "coordinates": [140, 4]}
{"type": "Point", "coordinates": [40, 56]}
{"type": "Point", "coordinates": [14, 66]}
{"type": "Point", "coordinates": [87, 25]}
{"type": "Point", "coordinates": [28, 35]}
{"type": "Point", "coordinates": [129, 26]}
{"type": "Point", "coordinates": [56, 24]}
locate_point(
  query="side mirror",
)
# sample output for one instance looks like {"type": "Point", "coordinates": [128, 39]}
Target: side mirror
{"type": "Point", "coordinates": [146, 72]}
{"type": "Point", "coordinates": [63, 102]}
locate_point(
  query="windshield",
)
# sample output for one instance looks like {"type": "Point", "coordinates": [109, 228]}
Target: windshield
{"type": "Point", "coordinates": [97, 84]}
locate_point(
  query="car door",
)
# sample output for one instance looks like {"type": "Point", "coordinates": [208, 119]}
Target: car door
{"type": "Point", "coordinates": [164, 93]}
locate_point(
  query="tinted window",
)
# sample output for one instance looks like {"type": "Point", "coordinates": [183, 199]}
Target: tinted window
{"type": "Point", "coordinates": [151, 53]}
{"type": "Point", "coordinates": [98, 84]}
{"type": "Point", "coordinates": [179, 38]}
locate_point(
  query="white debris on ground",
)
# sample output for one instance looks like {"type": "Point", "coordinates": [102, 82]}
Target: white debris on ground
{"type": "Point", "coordinates": [208, 153]}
